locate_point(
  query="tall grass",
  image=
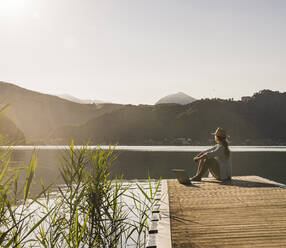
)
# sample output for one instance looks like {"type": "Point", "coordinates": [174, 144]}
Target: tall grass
{"type": "Point", "coordinates": [15, 215]}
{"type": "Point", "coordinates": [92, 208]}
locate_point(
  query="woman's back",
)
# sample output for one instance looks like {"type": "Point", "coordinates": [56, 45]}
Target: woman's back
{"type": "Point", "coordinates": [223, 158]}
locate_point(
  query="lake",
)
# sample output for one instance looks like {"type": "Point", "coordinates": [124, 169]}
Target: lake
{"type": "Point", "coordinates": [135, 162]}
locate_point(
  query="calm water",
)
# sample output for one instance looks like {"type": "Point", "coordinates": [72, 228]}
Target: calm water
{"type": "Point", "coordinates": [132, 212]}
{"type": "Point", "coordinates": [135, 162]}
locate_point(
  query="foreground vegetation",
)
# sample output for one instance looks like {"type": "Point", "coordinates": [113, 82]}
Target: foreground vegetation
{"type": "Point", "coordinates": [91, 209]}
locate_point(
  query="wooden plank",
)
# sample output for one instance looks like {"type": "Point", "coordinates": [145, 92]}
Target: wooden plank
{"type": "Point", "coordinates": [246, 212]}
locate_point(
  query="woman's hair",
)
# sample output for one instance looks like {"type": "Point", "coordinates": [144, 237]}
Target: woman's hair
{"type": "Point", "coordinates": [224, 142]}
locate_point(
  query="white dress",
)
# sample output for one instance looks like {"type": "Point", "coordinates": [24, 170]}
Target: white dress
{"type": "Point", "coordinates": [217, 152]}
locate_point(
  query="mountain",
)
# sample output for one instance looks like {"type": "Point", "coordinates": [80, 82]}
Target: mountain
{"type": "Point", "coordinates": [178, 98]}
{"type": "Point", "coordinates": [10, 134]}
{"type": "Point", "coordinates": [258, 121]}
{"type": "Point", "coordinates": [78, 100]}
{"type": "Point", "coordinates": [37, 114]}
{"type": "Point", "coordinates": [43, 118]}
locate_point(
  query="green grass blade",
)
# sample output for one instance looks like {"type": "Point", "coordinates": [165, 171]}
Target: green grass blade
{"type": "Point", "coordinates": [36, 225]}
{"type": "Point", "coordinates": [29, 176]}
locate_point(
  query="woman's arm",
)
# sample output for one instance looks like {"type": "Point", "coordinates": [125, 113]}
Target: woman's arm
{"type": "Point", "coordinates": [201, 154]}
{"type": "Point", "coordinates": [210, 149]}
{"type": "Point", "coordinates": [215, 152]}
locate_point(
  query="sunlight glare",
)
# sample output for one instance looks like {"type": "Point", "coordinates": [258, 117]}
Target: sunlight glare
{"type": "Point", "coordinates": [12, 6]}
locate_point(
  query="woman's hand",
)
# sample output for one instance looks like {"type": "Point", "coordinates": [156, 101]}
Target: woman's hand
{"type": "Point", "coordinates": [199, 157]}
{"type": "Point", "coordinates": [196, 158]}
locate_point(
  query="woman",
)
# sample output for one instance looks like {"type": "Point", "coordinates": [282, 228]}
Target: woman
{"type": "Point", "coordinates": [216, 159]}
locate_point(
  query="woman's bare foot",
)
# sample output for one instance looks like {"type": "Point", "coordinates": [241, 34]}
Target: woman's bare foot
{"type": "Point", "coordinates": [196, 179]}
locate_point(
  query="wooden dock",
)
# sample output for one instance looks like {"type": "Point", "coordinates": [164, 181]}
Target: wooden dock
{"type": "Point", "coordinates": [249, 211]}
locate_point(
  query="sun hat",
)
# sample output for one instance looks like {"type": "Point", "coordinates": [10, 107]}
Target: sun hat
{"type": "Point", "coordinates": [220, 132]}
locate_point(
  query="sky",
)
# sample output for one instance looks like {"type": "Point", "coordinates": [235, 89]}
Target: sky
{"type": "Point", "coordinates": [137, 51]}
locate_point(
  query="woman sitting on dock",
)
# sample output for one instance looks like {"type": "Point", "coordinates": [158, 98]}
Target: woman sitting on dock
{"type": "Point", "coordinates": [216, 160]}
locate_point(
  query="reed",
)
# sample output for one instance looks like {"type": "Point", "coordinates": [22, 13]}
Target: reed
{"type": "Point", "coordinates": [92, 208]}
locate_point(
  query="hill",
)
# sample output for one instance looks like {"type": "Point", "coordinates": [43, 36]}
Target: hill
{"type": "Point", "coordinates": [178, 98]}
{"type": "Point", "coordinates": [10, 134]}
{"type": "Point", "coordinates": [259, 121]}
{"type": "Point", "coordinates": [37, 114]}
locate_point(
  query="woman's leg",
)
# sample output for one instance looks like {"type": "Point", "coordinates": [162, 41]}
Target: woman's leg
{"type": "Point", "coordinates": [214, 168]}
{"type": "Point", "coordinates": [207, 164]}
{"type": "Point", "coordinates": [202, 168]}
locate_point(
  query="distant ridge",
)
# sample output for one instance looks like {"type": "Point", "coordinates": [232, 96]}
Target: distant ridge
{"type": "Point", "coordinates": [38, 114]}
{"type": "Point", "coordinates": [178, 98]}
{"type": "Point", "coordinates": [257, 121]}
{"type": "Point", "coordinates": [78, 100]}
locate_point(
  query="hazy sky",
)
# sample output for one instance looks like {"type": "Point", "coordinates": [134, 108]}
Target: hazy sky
{"type": "Point", "coordinates": [138, 51]}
